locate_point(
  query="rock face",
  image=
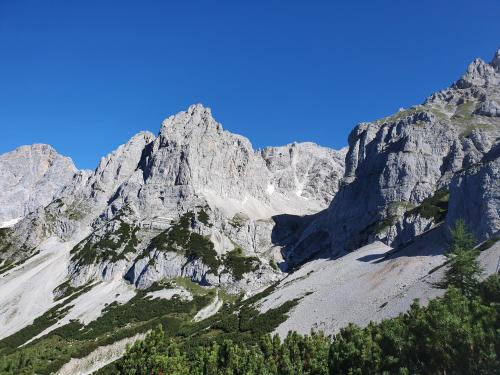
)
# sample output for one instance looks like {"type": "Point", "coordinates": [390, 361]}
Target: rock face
{"type": "Point", "coordinates": [194, 186]}
{"type": "Point", "coordinates": [194, 160]}
{"type": "Point", "coordinates": [397, 165]}
{"type": "Point", "coordinates": [30, 177]}
{"type": "Point", "coordinates": [402, 172]}
{"type": "Point", "coordinates": [475, 197]}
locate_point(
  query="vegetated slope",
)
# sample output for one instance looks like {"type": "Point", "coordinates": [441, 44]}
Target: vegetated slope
{"type": "Point", "coordinates": [455, 334]}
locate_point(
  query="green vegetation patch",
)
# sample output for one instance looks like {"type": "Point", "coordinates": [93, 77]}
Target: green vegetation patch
{"type": "Point", "coordinates": [139, 311]}
{"type": "Point", "coordinates": [179, 238]}
{"type": "Point", "coordinates": [65, 290]}
{"type": "Point", "coordinates": [140, 314]}
{"type": "Point", "coordinates": [5, 242]}
{"type": "Point", "coordinates": [273, 264]}
{"type": "Point", "coordinates": [400, 115]}
{"type": "Point", "coordinates": [455, 334]}
{"type": "Point", "coordinates": [238, 264]}
{"type": "Point", "coordinates": [11, 343]}
{"type": "Point", "coordinates": [378, 227]}
{"type": "Point", "coordinates": [434, 207]}
{"type": "Point", "coordinates": [76, 212]}
{"type": "Point", "coordinates": [9, 264]}
{"type": "Point", "coordinates": [238, 220]}
{"type": "Point", "coordinates": [204, 218]}
{"type": "Point", "coordinates": [465, 110]}
{"type": "Point", "coordinates": [192, 287]}
{"type": "Point", "coordinates": [200, 247]}
{"type": "Point", "coordinates": [107, 247]}
{"type": "Point", "coordinates": [176, 237]}
{"type": "Point", "coordinates": [439, 114]}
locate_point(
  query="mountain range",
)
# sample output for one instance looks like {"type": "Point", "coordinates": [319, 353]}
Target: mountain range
{"type": "Point", "coordinates": [195, 220]}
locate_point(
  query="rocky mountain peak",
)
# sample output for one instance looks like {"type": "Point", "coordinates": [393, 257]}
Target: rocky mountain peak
{"type": "Point", "coordinates": [196, 116]}
{"type": "Point", "coordinates": [198, 204]}
{"type": "Point", "coordinates": [30, 176]}
{"type": "Point", "coordinates": [481, 74]}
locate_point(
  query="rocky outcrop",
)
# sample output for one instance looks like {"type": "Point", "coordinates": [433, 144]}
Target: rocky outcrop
{"type": "Point", "coordinates": [305, 169]}
{"type": "Point", "coordinates": [395, 166]}
{"type": "Point", "coordinates": [30, 177]}
{"type": "Point", "coordinates": [475, 198]}
{"type": "Point", "coordinates": [194, 161]}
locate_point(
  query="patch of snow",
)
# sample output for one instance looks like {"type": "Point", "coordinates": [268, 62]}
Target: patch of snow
{"type": "Point", "coordinates": [270, 189]}
{"type": "Point", "coordinates": [10, 223]}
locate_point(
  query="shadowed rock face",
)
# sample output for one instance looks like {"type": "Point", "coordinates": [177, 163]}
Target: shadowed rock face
{"type": "Point", "coordinates": [30, 177]}
{"type": "Point", "coordinates": [475, 198]}
{"type": "Point", "coordinates": [403, 172]}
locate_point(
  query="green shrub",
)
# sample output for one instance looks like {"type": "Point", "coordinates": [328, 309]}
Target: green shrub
{"type": "Point", "coordinates": [434, 207]}
{"type": "Point", "coordinates": [200, 247]}
{"type": "Point", "coordinates": [204, 218]}
{"type": "Point", "coordinates": [238, 264]}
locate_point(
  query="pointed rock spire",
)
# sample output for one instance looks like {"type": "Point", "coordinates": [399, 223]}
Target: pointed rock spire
{"type": "Point", "coordinates": [495, 63]}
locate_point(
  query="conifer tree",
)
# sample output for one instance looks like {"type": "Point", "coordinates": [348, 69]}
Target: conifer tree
{"type": "Point", "coordinates": [463, 266]}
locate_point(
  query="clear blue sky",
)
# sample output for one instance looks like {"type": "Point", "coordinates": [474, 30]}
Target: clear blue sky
{"type": "Point", "coordinates": [84, 76]}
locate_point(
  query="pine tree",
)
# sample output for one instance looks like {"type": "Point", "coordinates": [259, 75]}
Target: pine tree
{"type": "Point", "coordinates": [463, 266]}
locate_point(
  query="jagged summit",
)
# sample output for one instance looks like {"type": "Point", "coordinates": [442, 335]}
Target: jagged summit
{"type": "Point", "coordinates": [196, 115]}
{"type": "Point", "coordinates": [480, 73]}
{"type": "Point", "coordinates": [41, 147]}
{"type": "Point", "coordinates": [398, 162]}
